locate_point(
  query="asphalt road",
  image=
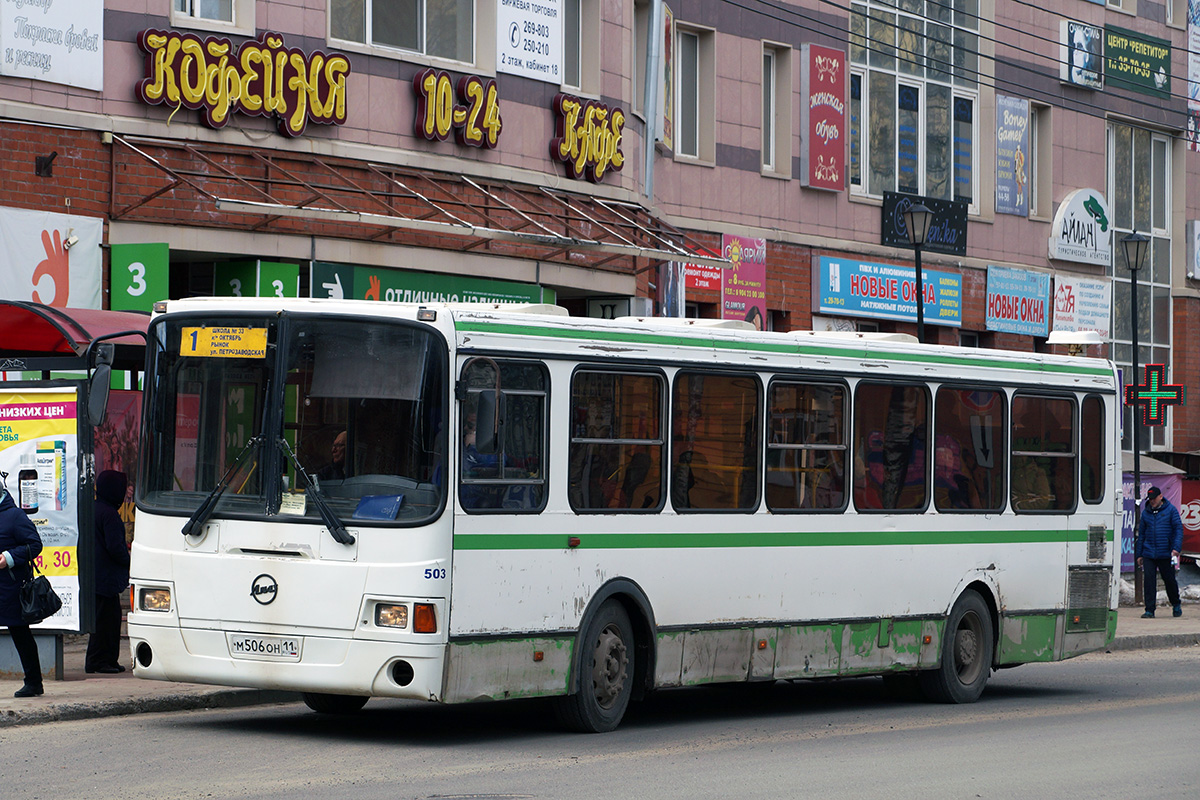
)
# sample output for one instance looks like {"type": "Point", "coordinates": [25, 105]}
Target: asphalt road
{"type": "Point", "coordinates": [1104, 725]}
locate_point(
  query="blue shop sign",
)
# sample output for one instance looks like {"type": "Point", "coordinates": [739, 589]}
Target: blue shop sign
{"type": "Point", "coordinates": [885, 291]}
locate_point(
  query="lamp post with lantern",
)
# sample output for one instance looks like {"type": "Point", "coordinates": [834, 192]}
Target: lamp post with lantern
{"type": "Point", "coordinates": [1135, 246]}
{"type": "Point", "coordinates": [916, 225]}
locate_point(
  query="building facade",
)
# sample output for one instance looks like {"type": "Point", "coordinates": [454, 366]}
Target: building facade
{"type": "Point", "coordinates": [746, 160]}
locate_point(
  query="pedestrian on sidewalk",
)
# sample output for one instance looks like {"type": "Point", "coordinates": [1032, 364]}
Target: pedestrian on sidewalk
{"type": "Point", "coordinates": [1160, 538]}
{"type": "Point", "coordinates": [112, 574]}
{"type": "Point", "coordinates": [19, 545]}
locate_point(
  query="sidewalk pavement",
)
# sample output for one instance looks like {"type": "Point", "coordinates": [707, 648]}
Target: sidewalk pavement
{"type": "Point", "coordinates": [83, 696]}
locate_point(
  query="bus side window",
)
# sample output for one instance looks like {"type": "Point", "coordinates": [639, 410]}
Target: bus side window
{"type": "Point", "coordinates": [1091, 450]}
{"type": "Point", "coordinates": [616, 451]}
{"type": "Point", "coordinates": [891, 432]}
{"type": "Point", "coordinates": [806, 447]}
{"type": "Point", "coordinates": [1043, 453]}
{"type": "Point", "coordinates": [716, 442]}
{"type": "Point", "coordinates": [968, 458]}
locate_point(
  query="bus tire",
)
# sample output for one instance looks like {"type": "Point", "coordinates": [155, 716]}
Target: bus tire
{"type": "Point", "coordinates": [606, 670]}
{"type": "Point", "coordinates": [967, 649]}
{"type": "Point", "coordinates": [334, 703]}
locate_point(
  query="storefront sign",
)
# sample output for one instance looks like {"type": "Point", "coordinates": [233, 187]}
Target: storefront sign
{"type": "Point", "coordinates": [1018, 301]}
{"type": "Point", "coordinates": [947, 231]}
{"type": "Point", "coordinates": [262, 78]}
{"type": "Point", "coordinates": [256, 279]}
{"type": "Point", "coordinates": [54, 42]}
{"type": "Point", "coordinates": [140, 275]}
{"type": "Point", "coordinates": [587, 137]}
{"type": "Point", "coordinates": [473, 112]}
{"type": "Point", "coordinates": [1012, 153]}
{"type": "Point", "coordinates": [1082, 304]}
{"type": "Point", "coordinates": [1081, 55]}
{"type": "Point", "coordinates": [744, 282]}
{"type": "Point", "coordinates": [823, 117]}
{"type": "Point", "coordinates": [1136, 61]}
{"type": "Point", "coordinates": [885, 291]}
{"type": "Point", "coordinates": [39, 262]}
{"type": "Point", "coordinates": [529, 39]}
{"type": "Point", "coordinates": [39, 441]}
{"type": "Point", "coordinates": [338, 281]}
{"type": "Point", "coordinates": [1081, 230]}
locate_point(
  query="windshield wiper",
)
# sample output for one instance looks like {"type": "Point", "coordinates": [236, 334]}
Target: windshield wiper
{"type": "Point", "coordinates": [201, 514]}
{"type": "Point", "coordinates": [336, 529]}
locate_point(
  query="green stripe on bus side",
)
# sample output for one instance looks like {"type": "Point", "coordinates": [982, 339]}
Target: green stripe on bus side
{"type": "Point", "coordinates": [786, 349]}
{"type": "Point", "coordinates": [644, 541]}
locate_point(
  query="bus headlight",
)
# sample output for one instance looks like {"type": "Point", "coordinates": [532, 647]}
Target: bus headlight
{"type": "Point", "coordinates": [155, 600]}
{"type": "Point", "coordinates": [391, 616]}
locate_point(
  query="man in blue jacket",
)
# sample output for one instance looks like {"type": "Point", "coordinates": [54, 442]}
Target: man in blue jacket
{"type": "Point", "coordinates": [1160, 538]}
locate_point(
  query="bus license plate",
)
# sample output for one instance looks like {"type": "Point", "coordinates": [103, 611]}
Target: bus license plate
{"type": "Point", "coordinates": [275, 648]}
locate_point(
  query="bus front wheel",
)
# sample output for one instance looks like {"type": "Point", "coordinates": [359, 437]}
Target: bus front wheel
{"type": "Point", "coordinates": [967, 649]}
{"type": "Point", "coordinates": [334, 703]}
{"type": "Point", "coordinates": [605, 673]}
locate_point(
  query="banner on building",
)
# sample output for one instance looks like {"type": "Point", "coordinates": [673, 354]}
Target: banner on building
{"type": "Point", "coordinates": [1081, 54]}
{"type": "Point", "coordinates": [744, 282]}
{"type": "Point", "coordinates": [850, 288]}
{"type": "Point", "coordinates": [59, 43]}
{"type": "Point", "coordinates": [1082, 304]}
{"type": "Point", "coordinates": [53, 259]}
{"type": "Point", "coordinates": [1138, 62]}
{"type": "Point", "coordinates": [822, 117]}
{"type": "Point", "coordinates": [947, 231]}
{"type": "Point", "coordinates": [1018, 301]}
{"type": "Point", "coordinates": [529, 39]}
{"type": "Point", "coordinates": [1193, 74]}
{"type": "Point", "coordinates": [1012, 155]}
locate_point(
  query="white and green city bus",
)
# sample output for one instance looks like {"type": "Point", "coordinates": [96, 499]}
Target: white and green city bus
{"type": "Point", "coordinates": [356, 499]}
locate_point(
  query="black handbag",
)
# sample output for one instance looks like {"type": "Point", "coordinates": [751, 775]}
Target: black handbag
{"type": "Point", "coordinates": [38, 599]}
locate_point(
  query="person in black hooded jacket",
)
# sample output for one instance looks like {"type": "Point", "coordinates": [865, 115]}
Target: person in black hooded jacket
{"type": "Point", "coordinates": [19, 545]}
{"type": "Point", "coordinates": [112, 574]}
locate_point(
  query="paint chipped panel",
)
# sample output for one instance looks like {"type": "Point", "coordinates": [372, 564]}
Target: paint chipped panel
{"type": "Point", "coordinates": [505, 669]}
{"type": "Point", "coordinates": [720, 656]}
{"type": "Point", "coordinates": [808, 651]}
{"type": "Point", "coordinates": [1029, 638]}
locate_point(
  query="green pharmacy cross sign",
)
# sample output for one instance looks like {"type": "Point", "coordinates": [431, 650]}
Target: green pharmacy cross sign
{"type": "Point", "coordinates": [1155, 395]}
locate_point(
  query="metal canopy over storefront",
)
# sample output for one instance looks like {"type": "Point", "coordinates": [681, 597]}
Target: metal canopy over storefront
{"type": "Point", "coordinates": [290, 192]}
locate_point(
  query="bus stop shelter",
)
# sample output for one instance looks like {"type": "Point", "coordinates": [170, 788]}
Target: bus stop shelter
{"type": "Point", "coordinates": [44, 363]}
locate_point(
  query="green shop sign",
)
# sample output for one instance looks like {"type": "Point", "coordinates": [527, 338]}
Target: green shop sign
{"type": "Point", "coordinates": [348, 281]}
{"type": "Point", "coordinates": [1138, 62]}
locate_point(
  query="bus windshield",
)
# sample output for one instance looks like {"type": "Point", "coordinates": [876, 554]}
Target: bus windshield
{"type": "Point", "coordinates": [353, 410]}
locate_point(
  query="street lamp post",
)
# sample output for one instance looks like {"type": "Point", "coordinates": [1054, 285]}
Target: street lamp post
{"type": "Point", "coordinates": [916, 225]}
{"type": "Point", "coordinates": [1135, 246]}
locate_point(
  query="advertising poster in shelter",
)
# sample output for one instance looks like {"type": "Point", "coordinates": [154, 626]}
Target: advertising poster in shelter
{"type": "Point", "coordinates": [744, 284]}
{"type": "Point", "coordinates": [39, 449]}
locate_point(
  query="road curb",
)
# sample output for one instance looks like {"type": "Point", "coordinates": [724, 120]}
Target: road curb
{"type": "Point", "coordinates": [1155, 641]}
{"type": "Point", "coordinates": [222, 698]}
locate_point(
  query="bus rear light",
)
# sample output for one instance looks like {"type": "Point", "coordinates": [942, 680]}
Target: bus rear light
{"type": "Point", "coordinates": [155, 600]}
{"type": "Point", "coordinates": [424, 618]}
{"type": "Point", "coordinates": [391, 616]}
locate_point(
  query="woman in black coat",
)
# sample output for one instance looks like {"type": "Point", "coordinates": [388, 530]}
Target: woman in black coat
{"type": "Point", "coordinates": [112, 573]}
{"type": "Point", "coordinates": [19, 545]}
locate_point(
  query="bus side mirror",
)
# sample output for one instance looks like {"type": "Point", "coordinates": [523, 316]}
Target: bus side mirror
{"type": "Point", "coordinates": [98, 385]}
{"type": "Point", "coordinates": [487, 421]}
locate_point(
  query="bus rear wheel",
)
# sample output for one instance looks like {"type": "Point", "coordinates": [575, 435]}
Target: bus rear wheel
{"type": "Point", "coordinates": [606, 669]}
{"type": "Point", "coordinates": [967, 648]}
{"type": "Point", "coordinates": [334, 703]}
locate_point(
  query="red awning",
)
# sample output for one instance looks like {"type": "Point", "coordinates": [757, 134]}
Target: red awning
{"type": "Point", "coordinates": [32, 330]}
